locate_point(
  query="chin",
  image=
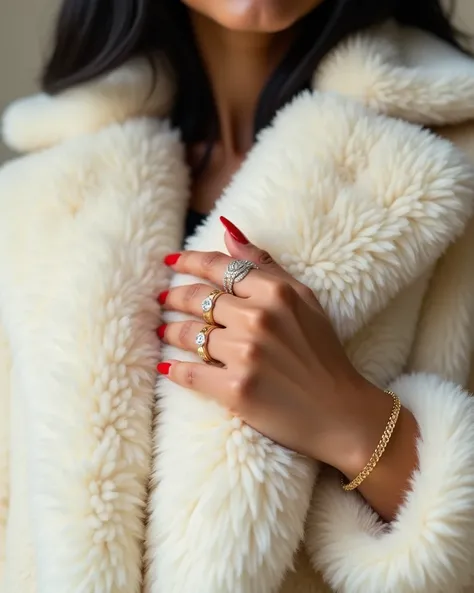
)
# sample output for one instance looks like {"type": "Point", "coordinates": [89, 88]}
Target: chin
{"type": "Point", "coordinates": [262, 16]}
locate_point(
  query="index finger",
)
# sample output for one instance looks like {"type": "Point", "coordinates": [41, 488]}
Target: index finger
{"type": "Point", "coordinates": [212, 265]}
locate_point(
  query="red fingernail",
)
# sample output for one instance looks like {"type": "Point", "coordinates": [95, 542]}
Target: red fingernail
{"type": "Point", "coordinates": [161, 331]}
{"type": "Point", "coordinates": [163, 368]}
{"type": "Point", "coordinates": [233, 231]}
{"type": "Point", "coordinates": [172, 258]}
{"type": "Point", "coordinates": [163, 296]}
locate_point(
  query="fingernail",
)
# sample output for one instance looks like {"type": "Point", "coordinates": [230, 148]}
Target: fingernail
{"type": "Point", "coordinates": [172, 258]}
{"type": "Point", "coordinates": [233, 231]}
{"type": "Point", "coordinates": [163, 296]}
{"type": "Point", "coordinates": [161, 331]}
{"type": "Point", "coordinates": [163, 368]}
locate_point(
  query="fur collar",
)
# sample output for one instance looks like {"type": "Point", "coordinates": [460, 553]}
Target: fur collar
{"type": "Point", "coordinates": [397, 71]}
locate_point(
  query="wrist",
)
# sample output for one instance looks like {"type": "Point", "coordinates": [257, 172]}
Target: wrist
{"type": "Point", "coordinates": [385, 488]}
{"type": "Point", "coordinates": [365, 422]}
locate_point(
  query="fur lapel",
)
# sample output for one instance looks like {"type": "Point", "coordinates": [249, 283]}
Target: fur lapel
{"type": "Point", "coordinates": [404, 73]}
{"type": "Point", "coordinates": [371, 200]}
{"type": "Point", "coordinates": [398, 71]}
{"type": "Point", "coordinates": [83, 232]}
{"type": "Point", "coordinates": [41, 121]}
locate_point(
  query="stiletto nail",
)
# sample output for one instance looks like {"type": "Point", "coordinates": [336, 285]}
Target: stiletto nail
{"type": "Point", "coordinates": [164, 368]}
{"type": "Point", "coordinates": [172, 258]}
{"type": "Point", "coordinates": [234, 232]}
{"type": "Point", "coordinates": [163, 296]}
{"type": "Point", "coordinates": [161, 331]}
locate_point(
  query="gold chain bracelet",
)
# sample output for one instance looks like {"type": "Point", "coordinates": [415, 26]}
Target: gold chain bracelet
{"type": "Point", "coordinates": [379, 451]}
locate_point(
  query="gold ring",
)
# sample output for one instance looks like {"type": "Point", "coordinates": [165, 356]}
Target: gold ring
{"type": "Point", "coordinates": [201, 341]}
{"type": "Point", "coordinates": [208, 305]}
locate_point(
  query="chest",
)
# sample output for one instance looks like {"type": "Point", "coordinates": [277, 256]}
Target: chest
{"type": "Point", "coordinates": [213, 169]}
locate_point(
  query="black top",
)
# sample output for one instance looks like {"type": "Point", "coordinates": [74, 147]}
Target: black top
{"type": "Point", "coordinates": [193, 220]}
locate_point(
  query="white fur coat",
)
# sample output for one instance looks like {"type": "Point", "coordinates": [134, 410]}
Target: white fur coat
{"type": "Point", "coordinates": [373, 213]}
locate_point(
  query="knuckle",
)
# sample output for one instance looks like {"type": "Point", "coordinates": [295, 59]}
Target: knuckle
{"type": "Point", "coordinates": [191, 292]}
{"type": "Point", "coordinates": [189, 376]}
{"type": "Point", "coordinates": [280, 293]}
{"type": "Point", "coordinates": [259, 319]}
{"type": "Point", "coordinates": [210, 259]}
{"type": "Point", "coordinates": [185, 332]}
{"type": "Point", "coordinates": [265, 259]}
{"type": "Point", "coordinates": [250, 352]}
{"type": "Point", "coordinates": [241, 389]}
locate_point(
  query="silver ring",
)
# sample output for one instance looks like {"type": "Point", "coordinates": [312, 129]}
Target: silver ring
{"type": "Point", "coordinates": [236, 271]}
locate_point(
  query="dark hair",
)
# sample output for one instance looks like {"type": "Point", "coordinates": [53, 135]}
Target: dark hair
{"type": "Point", "coordinates": [94, 37]}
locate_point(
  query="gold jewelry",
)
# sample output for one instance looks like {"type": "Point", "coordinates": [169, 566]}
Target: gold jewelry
{"type": "Point", "coordinates": [208, 305]}
{"type": "Point", "coordinates": [379, 451]}
{"type": "Point", "coordinates": [201, 341]}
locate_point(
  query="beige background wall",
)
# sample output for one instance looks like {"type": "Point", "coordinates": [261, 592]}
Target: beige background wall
{"type": "Point", "coordinates": [24, 26]}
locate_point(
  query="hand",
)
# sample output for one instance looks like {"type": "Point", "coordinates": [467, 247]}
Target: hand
{"type": "Point", "coordinates": [283, 370]}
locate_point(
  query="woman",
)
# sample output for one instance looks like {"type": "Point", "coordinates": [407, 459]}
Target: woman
{"type": "Point", "coordinates": [344, 347]}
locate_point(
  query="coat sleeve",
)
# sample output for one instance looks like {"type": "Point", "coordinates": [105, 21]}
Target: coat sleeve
{"type": "Point", "coordinates": [4, 441]}
{"type": "Point", "coordinates": [429, 547]}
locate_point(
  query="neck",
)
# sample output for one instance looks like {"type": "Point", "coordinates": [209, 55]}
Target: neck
{"type": "Point", "coordinates": [238, 65]}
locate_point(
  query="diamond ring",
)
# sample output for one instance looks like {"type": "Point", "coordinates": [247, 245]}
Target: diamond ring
{"type": "Point", "coordinates": [201, 342]}
{"type": "Point", "coordinates": [208, 305]}
{"type": "Point", "coordinates": [236, 271]}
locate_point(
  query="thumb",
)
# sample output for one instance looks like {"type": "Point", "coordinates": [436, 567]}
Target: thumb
{"type": "Point", "coordinates": [240, 248]}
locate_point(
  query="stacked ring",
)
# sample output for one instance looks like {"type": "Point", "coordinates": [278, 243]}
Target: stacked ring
{"type": "Point", "coordinates": [208, 305]}
{"type": "Point", "coordinates": [236, 271]}
{"type": "Point", "coordinates": [201, 341]}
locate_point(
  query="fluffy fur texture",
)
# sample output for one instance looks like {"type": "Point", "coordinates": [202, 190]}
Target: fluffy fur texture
{"type": "Point", "coordinates": [402, 73]}
{"type": "Point", "coordinates": [453, 282]}
{"type": "Point", "coordinates": [38, 122]}
{"type": "Point", "coordinates": [5, 364]}
{"type": "Point", "coordinates": [432, 537]}
{"type": "Point", "coordinates": [379, 349]}
{"type": "Point", "coordinates": [79, 296]}
{"type": "Point", "coordinates": [365, 207]}
{"type": "Point", "coordinates": [20, 553]}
